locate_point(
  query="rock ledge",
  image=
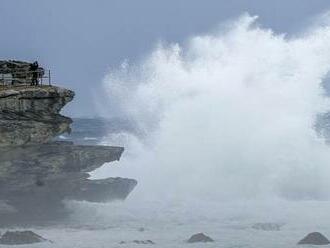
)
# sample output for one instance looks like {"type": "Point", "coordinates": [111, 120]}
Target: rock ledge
{"type": "Point", "coordinates": [30, 115]}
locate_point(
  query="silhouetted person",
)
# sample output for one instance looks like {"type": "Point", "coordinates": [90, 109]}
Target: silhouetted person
{"type": "Point", "coordinates": [34, 68]}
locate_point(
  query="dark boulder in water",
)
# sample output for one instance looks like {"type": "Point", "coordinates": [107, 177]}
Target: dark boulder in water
{"type": "Point", "coordinates": [20, 238]}
{"type": "Point", "coordinates": [199, 237]}
{"type": "Point", "coordinates": [139, 242]}
{"type": "Point", "coordinates": [314, 238]}
{"type": "Point", "coordinates": [143, 242]}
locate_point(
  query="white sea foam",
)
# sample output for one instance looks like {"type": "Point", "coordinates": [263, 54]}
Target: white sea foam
{"type": "Point", "coordinates": [229, 114]}
{"type": "Point", "coordinates": [225, 138]}
{"type": "Point", "coordinates": [223, 120]}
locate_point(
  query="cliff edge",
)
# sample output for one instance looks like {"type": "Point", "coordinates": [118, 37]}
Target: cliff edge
{"type": "Point", "coordinates": [36, 173]}
{"type": "Point", "coordinates": [30, 115]}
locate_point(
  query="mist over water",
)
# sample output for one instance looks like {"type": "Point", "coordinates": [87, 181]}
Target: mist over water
{"type": "Point", "coordinates": [229, 115]}
{"type": "Point", "coordinates": [219, 132]}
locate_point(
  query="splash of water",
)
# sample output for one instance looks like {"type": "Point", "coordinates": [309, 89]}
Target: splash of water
{"type": "Point", "coordinates": [227, 115]}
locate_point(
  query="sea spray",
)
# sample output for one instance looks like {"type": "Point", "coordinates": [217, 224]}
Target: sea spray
{"type": "Point", "coordinates": [228, 115]}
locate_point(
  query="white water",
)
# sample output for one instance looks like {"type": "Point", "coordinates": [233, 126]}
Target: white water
{"type": "Point", "coordinates": [228, 115]}
{"type": "Point", "coordinates": [225, 140]}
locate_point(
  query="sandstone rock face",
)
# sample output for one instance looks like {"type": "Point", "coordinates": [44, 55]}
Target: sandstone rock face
{"type": "Point", "coordinates": [34, 180]}
{"type": "Point", "coordinates": [20, 238]}
{"type": "Point", "coordinates": [37, 174]}
{"type": "Point", "coordinates": [30, 115]}
{"type": "Point", "coordinates": [46, 99]}
{"type": "Point", "coordinates": [199, 237]}
{"type": "Point", "coordinates": [54, 158]}
{"type": "Point", "coordinates": [314, 238]}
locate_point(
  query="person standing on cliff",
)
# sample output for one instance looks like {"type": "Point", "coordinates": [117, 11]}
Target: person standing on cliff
{"type": "Point", "coordinates": [34, 68]}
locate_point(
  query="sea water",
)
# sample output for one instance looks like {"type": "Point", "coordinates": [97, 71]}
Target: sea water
{"type": "Point", "coordinates": [220, 134]}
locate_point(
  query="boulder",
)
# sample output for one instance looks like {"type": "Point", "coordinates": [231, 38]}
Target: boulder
{"type": "Point", "coordinates": [139, 242]}
{"type": "Point", "coordinates": [314, 238]}
{"type": "Point", "coordinates": [143, 242]}
{"type": "Point", "coordinates": [199, 237]}
{"type": "Point", "coordinates": [20, 238]}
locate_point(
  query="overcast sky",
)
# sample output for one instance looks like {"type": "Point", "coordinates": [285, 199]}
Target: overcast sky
{"type": "Point", "coordinates": [80, 39]}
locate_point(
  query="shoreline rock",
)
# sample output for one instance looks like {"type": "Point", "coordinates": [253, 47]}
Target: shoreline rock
{"type": "Point", "coordinates": [199, 237]}
{"type": "Point", "coordinates": [314, 238]}
{"type": "Point", "coordinates": [38, 174]}
{"type": "Point", "coordinates": [20, 238]}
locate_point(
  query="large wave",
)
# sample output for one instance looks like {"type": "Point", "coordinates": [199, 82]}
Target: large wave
{"type": "Point", "coordinates": [229, 114]}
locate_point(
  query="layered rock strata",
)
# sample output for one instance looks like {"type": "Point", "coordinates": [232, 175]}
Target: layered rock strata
{"type": "Point", "coordinates": [30, 115]}
{"type": "Point", "coordinates": [36, 173]}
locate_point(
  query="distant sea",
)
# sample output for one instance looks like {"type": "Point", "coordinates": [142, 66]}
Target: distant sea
{"type": "Point", "coordinates": [170, 223]}
{"type": "Point", "coordinates": [90, 131]}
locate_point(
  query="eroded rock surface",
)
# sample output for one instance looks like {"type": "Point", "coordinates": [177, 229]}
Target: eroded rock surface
{"type": "Point", "coordinates": [37, 174]}
{"type": "Point", "coordinates": [35, 180]}
{"type": "Point", "coordinates": [30, 115]}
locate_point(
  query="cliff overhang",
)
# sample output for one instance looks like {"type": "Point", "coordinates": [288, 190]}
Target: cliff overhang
{"type": "Point", "coordinates": [37, 173]}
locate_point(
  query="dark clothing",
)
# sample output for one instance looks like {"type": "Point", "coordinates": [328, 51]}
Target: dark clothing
{"type": "Point", "coordinates": [34, 69]}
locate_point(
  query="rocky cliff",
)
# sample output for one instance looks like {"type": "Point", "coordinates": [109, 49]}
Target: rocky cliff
{"type": "Point", "coordinates": [36, 173]}
{"type": "Point", "coordinates": [31, 114]}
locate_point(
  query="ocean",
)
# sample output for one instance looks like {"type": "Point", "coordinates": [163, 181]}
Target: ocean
{"type": "Point", "coordinates": [222, 135]}
{"type": "Point", "coordinates": [169, 221]}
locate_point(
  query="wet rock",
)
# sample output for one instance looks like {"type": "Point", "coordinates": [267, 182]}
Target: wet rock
{"type": "Point", "coordinates": [199, 237]}
{"type": "Point", "coordinates": [139, 242]}
{"type": "Point", "coordinates": [314, 238]}
{"type": "Point", "coordinates": [143, 242]}
{"type": "Point", "coordinates": [267, 226]}
{"type": "Point", "coordinates": [20, 238]}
